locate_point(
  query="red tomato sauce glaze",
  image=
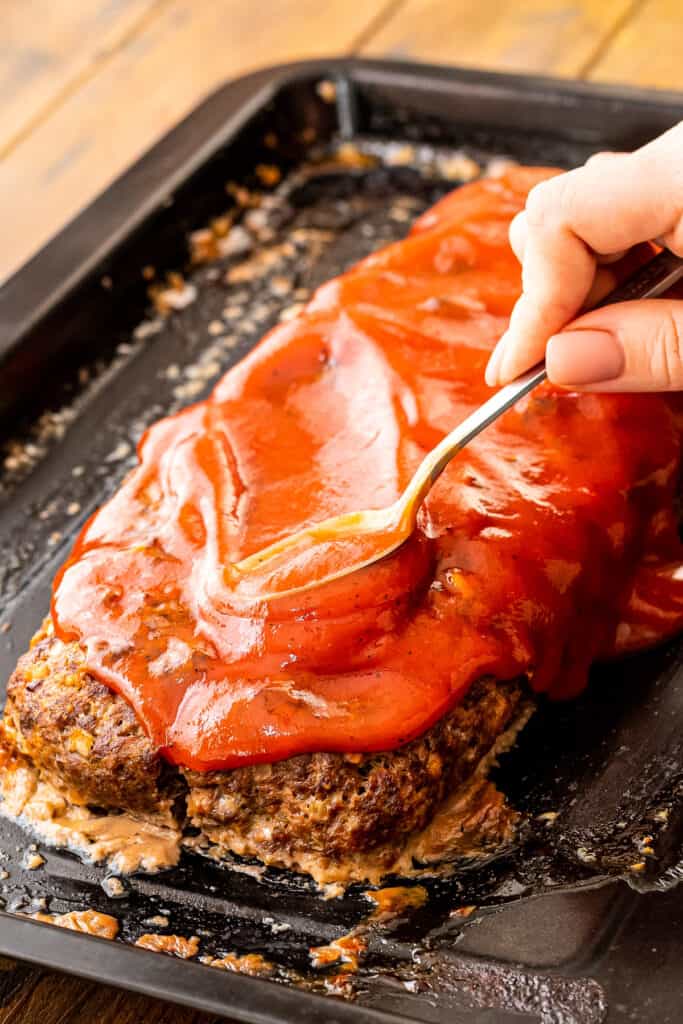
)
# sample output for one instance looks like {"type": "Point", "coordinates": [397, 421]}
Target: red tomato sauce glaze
{"type": "Point", "coordinates": [550, 542]}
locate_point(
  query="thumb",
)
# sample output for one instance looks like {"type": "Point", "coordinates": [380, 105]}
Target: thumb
{"type": "Point", "coordinates": [632, 346]}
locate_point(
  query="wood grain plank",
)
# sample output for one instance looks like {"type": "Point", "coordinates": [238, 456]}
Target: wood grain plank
{"type": "Point", "coordinates": [190, 48]}
{"type": "Point", "coordinates": [46, 48]}
{"type": "Point", "coordinates": [51, 998]}
{"type": "Point", "coordinates": [530, 35]}
{"type": "Point", "coordinates": [648, 50]}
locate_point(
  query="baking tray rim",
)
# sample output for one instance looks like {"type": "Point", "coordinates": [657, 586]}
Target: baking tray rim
{"type": "Point", "coordinates": [53, 273]}
{"type": "Point", "coordinates": [258, 1000]}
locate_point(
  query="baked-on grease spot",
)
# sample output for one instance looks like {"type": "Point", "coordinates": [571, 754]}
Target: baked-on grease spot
{"type": "Point", "coordinates": [91, 922]}
{"type": "Point", "coordinates": [173, 945]}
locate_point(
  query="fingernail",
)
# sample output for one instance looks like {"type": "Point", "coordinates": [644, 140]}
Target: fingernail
{"type": "Point", "coordinates": [584, 357]}
{"type": "Point", "coordinates": [491, 372]}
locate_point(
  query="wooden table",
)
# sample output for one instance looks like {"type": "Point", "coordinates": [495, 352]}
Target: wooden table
{"type": "Point", "coordinates": [89, 85]}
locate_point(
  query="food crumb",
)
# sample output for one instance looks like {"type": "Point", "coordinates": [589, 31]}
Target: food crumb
{"type": "Point", "coordinates": [268, 174]}
{"type": "Point", "coordinates": [250, 963]}
{"type": "Point", "coordinates": [147, 328]}
{"type": "Point", "coordinates": [33, 860]}
{"type": "Point", "coordinates": [190, 389]}
{"type": "Point", "coordinates": [113, 887]}
{"type": "Point", "coordinates": [498, 166]}
{"type": "Point", "coordinates": [645, 846]}
{"type": "Point", "coordinates": [178, 294]}
{"type": "Point", "coordinates": [215, 327]}
{"type": "Point", "coordinates": [326, 90]}
{"type": "Point", "coordinates": [73, 508]}
{"type": "Point", "coordinates": [203, 371]}
{"type": "Point", "coordinates": [400, 156]}
{"type": "Point", "coordinates": [260, 312]}
{"type": "Point", "coordinates": [48, 511]}
{"type": "Point", "coordinates": [203, 246]}
{"type": "Point", "coordinates": [237, 242]}
{"type": "Point", "coordinates": [340, 984]}
{"type": "Point", "coordinates": [220, 226]}
{"type": "Point", "coordinates": [351, 156]}
{"type": "Point", "coordinates": [89, 921]}
{"type": "Point", "coordinates": [459, 168]}
{"type": "Point", "coordinates": [3, 874]}
{"type": "Point", "coordinates": [400, 215]}
{"type": "Point", "coordinates": [233, 312]}
{"type": "Point", "coordinates": [280, 926]}
{"type": "Point", "coordinates": [393, 900]}
{"type": "Point", "coordinates": [122, 450]}
{"type": "Point", "coordinates": [157, 921]}
{"type": "Point", "coordinates": [5, 627]}
{"type": "Point", "coordinates": [174, 945]}
{"type": "Point", "coordinates": [281, 285]}
{"type": "Point", "coordinates": [241, 195]}
{"type": "Point", "coordinates": [463, 911]}
{"type": "Point", "coordinates": [290, 312]}
{"type": "Point", "coordinates": [346, 950]}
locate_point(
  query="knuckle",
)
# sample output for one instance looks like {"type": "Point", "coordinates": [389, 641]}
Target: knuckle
{"type": "Point", "coordinates": [666, 350]}
{"type": "Point", "coordinates": [603, 157]}
{"type": "Point", "coordinates": [551, 204]}
{"type": "Point", "coordinates": [673, 240]}
{"type": "Point", "coordinates": [540, 204]}
{"type": "Point", "coordinates": [517, 232]}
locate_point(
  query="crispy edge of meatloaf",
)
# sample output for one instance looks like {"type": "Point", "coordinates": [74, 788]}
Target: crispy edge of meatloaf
{"type": "Point", "coordinates": [337, 805]}
{"type": "Point", "coordinates": [86, 740]}
{"type": "Point", "coordinates": [81, 736]}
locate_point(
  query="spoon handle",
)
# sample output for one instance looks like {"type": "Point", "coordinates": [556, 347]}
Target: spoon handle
{"type": "Point", "coordinates": [649, 281]}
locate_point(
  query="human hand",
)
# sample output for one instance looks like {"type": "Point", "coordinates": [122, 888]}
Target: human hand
{"type": "Point", "coordinates": [574, 224]}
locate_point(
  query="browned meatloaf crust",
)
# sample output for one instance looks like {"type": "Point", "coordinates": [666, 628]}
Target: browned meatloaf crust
{"type": "Point", "coordinates": [85, 739]}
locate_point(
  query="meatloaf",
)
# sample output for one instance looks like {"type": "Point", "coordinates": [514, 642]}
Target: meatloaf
{"type": "Point", "coordinates": [333, 809]}
{"type": "Point", "coordinates": [343, 726]}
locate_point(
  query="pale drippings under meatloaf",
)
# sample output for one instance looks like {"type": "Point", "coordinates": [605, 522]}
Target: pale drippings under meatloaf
{"type": "Point", "coordinates": [85, 740]}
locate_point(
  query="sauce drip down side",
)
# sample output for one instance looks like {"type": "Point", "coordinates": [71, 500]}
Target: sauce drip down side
{"type": "Point", "coordinates": [549, 542]}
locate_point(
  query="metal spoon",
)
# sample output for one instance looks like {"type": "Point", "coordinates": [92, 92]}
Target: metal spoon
{"type": "Point", "coordinates": [388, 528]}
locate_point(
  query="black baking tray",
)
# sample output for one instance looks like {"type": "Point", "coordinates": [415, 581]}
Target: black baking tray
{"type": "Point", "coordinates": [567, 930]}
